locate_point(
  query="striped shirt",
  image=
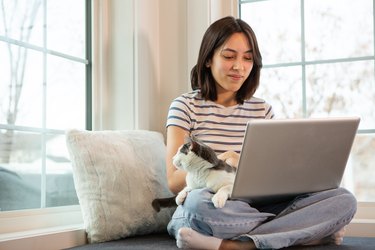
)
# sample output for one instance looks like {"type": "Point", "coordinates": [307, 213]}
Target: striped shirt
{"type": "Point", "coordinates": [221, 128]}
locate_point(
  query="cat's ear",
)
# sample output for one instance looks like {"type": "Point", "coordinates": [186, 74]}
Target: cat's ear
{"type": "Point", "coordinates": [193, 138]}
{"type": "Point", "coordinates": [194, 144]}
{"type": "Point", "coordinates": [187, 139]}
{"type": "Point", "coordinates": [188, 143]}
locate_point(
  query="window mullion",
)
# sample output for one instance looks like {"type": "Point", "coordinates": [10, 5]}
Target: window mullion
{"type": "Point", "coordinates": [43, 184]}
{"type": "Point", "coordinates": [373, 28]}
{"type": "Point", "coordinates": [88, 66]}
{"type": "Point", "coordinates": [303, 60]}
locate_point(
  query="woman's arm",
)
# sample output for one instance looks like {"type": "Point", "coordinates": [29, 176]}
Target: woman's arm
{"type": "Point", "coordinates": [176, 177]}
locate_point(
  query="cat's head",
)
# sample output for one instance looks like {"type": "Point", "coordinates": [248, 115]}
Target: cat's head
{"type": "Point", "coordinates": [194, 154]}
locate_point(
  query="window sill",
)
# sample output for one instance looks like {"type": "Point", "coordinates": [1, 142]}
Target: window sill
{"type": "Point", "coordinates": [75, 235]}
{"type": "Point", "coordinates": [47, 228]}
{"type": "Point", "coordinates": [361, 228]}
{"type": "Point", "coordinates": [70, 234]}
{"type": "Point", "coordinates": [37, 219]}
{"type": "Point", "coordinates": [363, 223]}
{"type": "Point", "coordinates": [45, 239]}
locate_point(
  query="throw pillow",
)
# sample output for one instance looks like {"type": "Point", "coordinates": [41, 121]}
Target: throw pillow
{"type": "Point", "coordinates": [117, 174]}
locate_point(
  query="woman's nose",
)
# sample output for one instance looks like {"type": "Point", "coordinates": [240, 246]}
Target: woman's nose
{"type": "Point", "coordinates": [237, 65]}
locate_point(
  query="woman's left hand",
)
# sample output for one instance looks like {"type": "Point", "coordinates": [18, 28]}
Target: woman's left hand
{"type": "Point", "coordinates": [230, 157]}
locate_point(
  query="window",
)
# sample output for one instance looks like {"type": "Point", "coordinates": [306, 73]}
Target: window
{"type": "Point", "coordinates": [319, 61]}
{"type": "Point", "coordinates": [45, 88]}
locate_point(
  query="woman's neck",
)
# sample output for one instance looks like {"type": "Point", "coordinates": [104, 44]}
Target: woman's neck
{"type": "Point", "coordinates": [226, 99]}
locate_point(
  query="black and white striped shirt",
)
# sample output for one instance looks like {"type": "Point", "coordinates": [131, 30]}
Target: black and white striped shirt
{"type": "Point", "coordinates": [221, 128]}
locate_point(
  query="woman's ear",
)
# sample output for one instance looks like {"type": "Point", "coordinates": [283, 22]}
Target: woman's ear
{"type": "Point", "coordinates": [208, 64]}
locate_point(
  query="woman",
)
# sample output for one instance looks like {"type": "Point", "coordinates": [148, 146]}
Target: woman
{"type": "Point", "coordinates": [224, 81]}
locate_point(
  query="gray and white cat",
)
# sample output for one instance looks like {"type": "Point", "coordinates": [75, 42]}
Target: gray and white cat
{"type": "Point", "coordinates": [204, 170]}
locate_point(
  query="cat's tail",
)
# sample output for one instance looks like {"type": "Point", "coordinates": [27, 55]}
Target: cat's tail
{"type": "Point", "coordinates": [160, 203]}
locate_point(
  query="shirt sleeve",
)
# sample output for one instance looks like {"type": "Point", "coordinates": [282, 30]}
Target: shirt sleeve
{"type": "Point", "coordinates": [269, 111]}
{"type": "Point", "coordinates": [179, 114]}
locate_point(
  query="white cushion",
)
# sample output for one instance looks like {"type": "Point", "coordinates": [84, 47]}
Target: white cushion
{"type": "Point", "coordinates": [117, 174]}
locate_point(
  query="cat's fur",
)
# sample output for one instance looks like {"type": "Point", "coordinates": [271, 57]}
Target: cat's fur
{"type": "Point", "coordinates": [204, 170]}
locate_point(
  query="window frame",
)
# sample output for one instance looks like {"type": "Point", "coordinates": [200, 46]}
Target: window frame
{"type": "Point", "coordinates": [363, 223]}
{"type": "Point", "coordinates": [51, 216]}
{"type": "Point", "coordinates": [366, 211]}
{"type": "Point", "coordinates": [303, 62]}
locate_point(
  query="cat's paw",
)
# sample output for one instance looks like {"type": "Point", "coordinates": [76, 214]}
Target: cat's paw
{"type": "Point", "coordinates": [180, 198]}
{"type": "Point", "coordinates": [219, 199]}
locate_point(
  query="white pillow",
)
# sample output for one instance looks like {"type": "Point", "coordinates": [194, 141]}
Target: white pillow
{"type": "Point", "coordinates": [117, 174]}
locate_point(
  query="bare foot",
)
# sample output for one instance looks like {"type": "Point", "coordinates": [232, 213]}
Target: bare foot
{"type": "Point", "coordinates": [336, 239]}
{"type": "Point", "coordinates": [188, 238]}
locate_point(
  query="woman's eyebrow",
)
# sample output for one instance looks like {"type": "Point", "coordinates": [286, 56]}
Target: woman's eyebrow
{"type": "Point", "coordinates": [235, 51]}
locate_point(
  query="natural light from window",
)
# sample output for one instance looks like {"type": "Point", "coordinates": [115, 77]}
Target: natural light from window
{"type": "Point", "coordinates": [42, 93]}
{"type": "Point", "coordinates": [318, 58]}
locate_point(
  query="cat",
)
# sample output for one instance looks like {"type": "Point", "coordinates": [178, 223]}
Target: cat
{"type": "Point", "coordinates": [204, 170]}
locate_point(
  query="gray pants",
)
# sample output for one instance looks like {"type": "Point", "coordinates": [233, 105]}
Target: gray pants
{"type": "Point", "coordinates": [302, 220]}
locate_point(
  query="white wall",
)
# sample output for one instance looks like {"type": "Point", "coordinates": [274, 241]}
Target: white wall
{"type": "Point", "coordinates": [173, 56]}
{"type": "Point", "coordinates": [161, 59]}
{"type": "Point", "coordinates": [113, 64]}
{"type": "Point", "coordinates": [145, 52]}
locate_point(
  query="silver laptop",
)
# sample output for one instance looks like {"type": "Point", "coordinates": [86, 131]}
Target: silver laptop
{"type": "Point", "coordinates": [284, 158]}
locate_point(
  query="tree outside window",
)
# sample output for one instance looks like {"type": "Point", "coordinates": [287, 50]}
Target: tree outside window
{"type": "Point", "coordinates": [319, 62]}
{"type": "Point", "coordinates": [42, 92]}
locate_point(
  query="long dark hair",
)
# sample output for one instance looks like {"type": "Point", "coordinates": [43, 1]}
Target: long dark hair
{"type": "Point", "coordinates": [215, 36]}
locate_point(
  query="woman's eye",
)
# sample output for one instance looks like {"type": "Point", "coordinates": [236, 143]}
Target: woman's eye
{"type": "Point", "coordinates": [228, 57]}
{"type": "Point", "coordinates": [248, 59]}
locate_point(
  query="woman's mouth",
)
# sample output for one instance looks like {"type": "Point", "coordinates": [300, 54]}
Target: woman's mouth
{"type": "Point", "coordinates": [235, 77]}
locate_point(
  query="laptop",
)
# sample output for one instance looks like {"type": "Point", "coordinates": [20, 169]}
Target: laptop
{"type": "Point", "coordinates": [281, 159]}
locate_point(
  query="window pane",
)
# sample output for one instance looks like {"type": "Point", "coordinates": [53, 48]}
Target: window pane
{"type": "Point", "coordinates": [333, 29]}
{"type": "Point", "coordinates": [20, 170]}
{"type": "Point", "coordinates": [21, 86]}
{"type": "Point", "coordinates": [59, 180]}
{"type": "Point", "coordinates": [63, 34]}
{"type": "Point", "coordinates": [66, 88]}
{"type": "Point", "coordinates": [338, 29]}
{"type": "Point", "coordinates": [23, 20]}
{"type": "Point", "coordinates": [42, 93]}
{"type": "Point", "coordinates": [282, 88]}
{"type": "Point", "coordinates": [360, 172]}
{"type": "Point", "coordinates": [342, 89]}
{"type": "Point", "coordinates": [277, 27]}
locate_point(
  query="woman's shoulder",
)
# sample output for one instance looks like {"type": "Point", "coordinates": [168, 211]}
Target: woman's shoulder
{"type": "Point", "coordinates": [259, 104]}
{"type": "Point", "coordinates": [255, 101]}
{"type": "Point", "coordinates": [190, 97]}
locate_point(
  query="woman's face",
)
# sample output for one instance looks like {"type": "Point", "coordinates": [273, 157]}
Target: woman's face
{"type": "Point", "coordinates": [232, 63]}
